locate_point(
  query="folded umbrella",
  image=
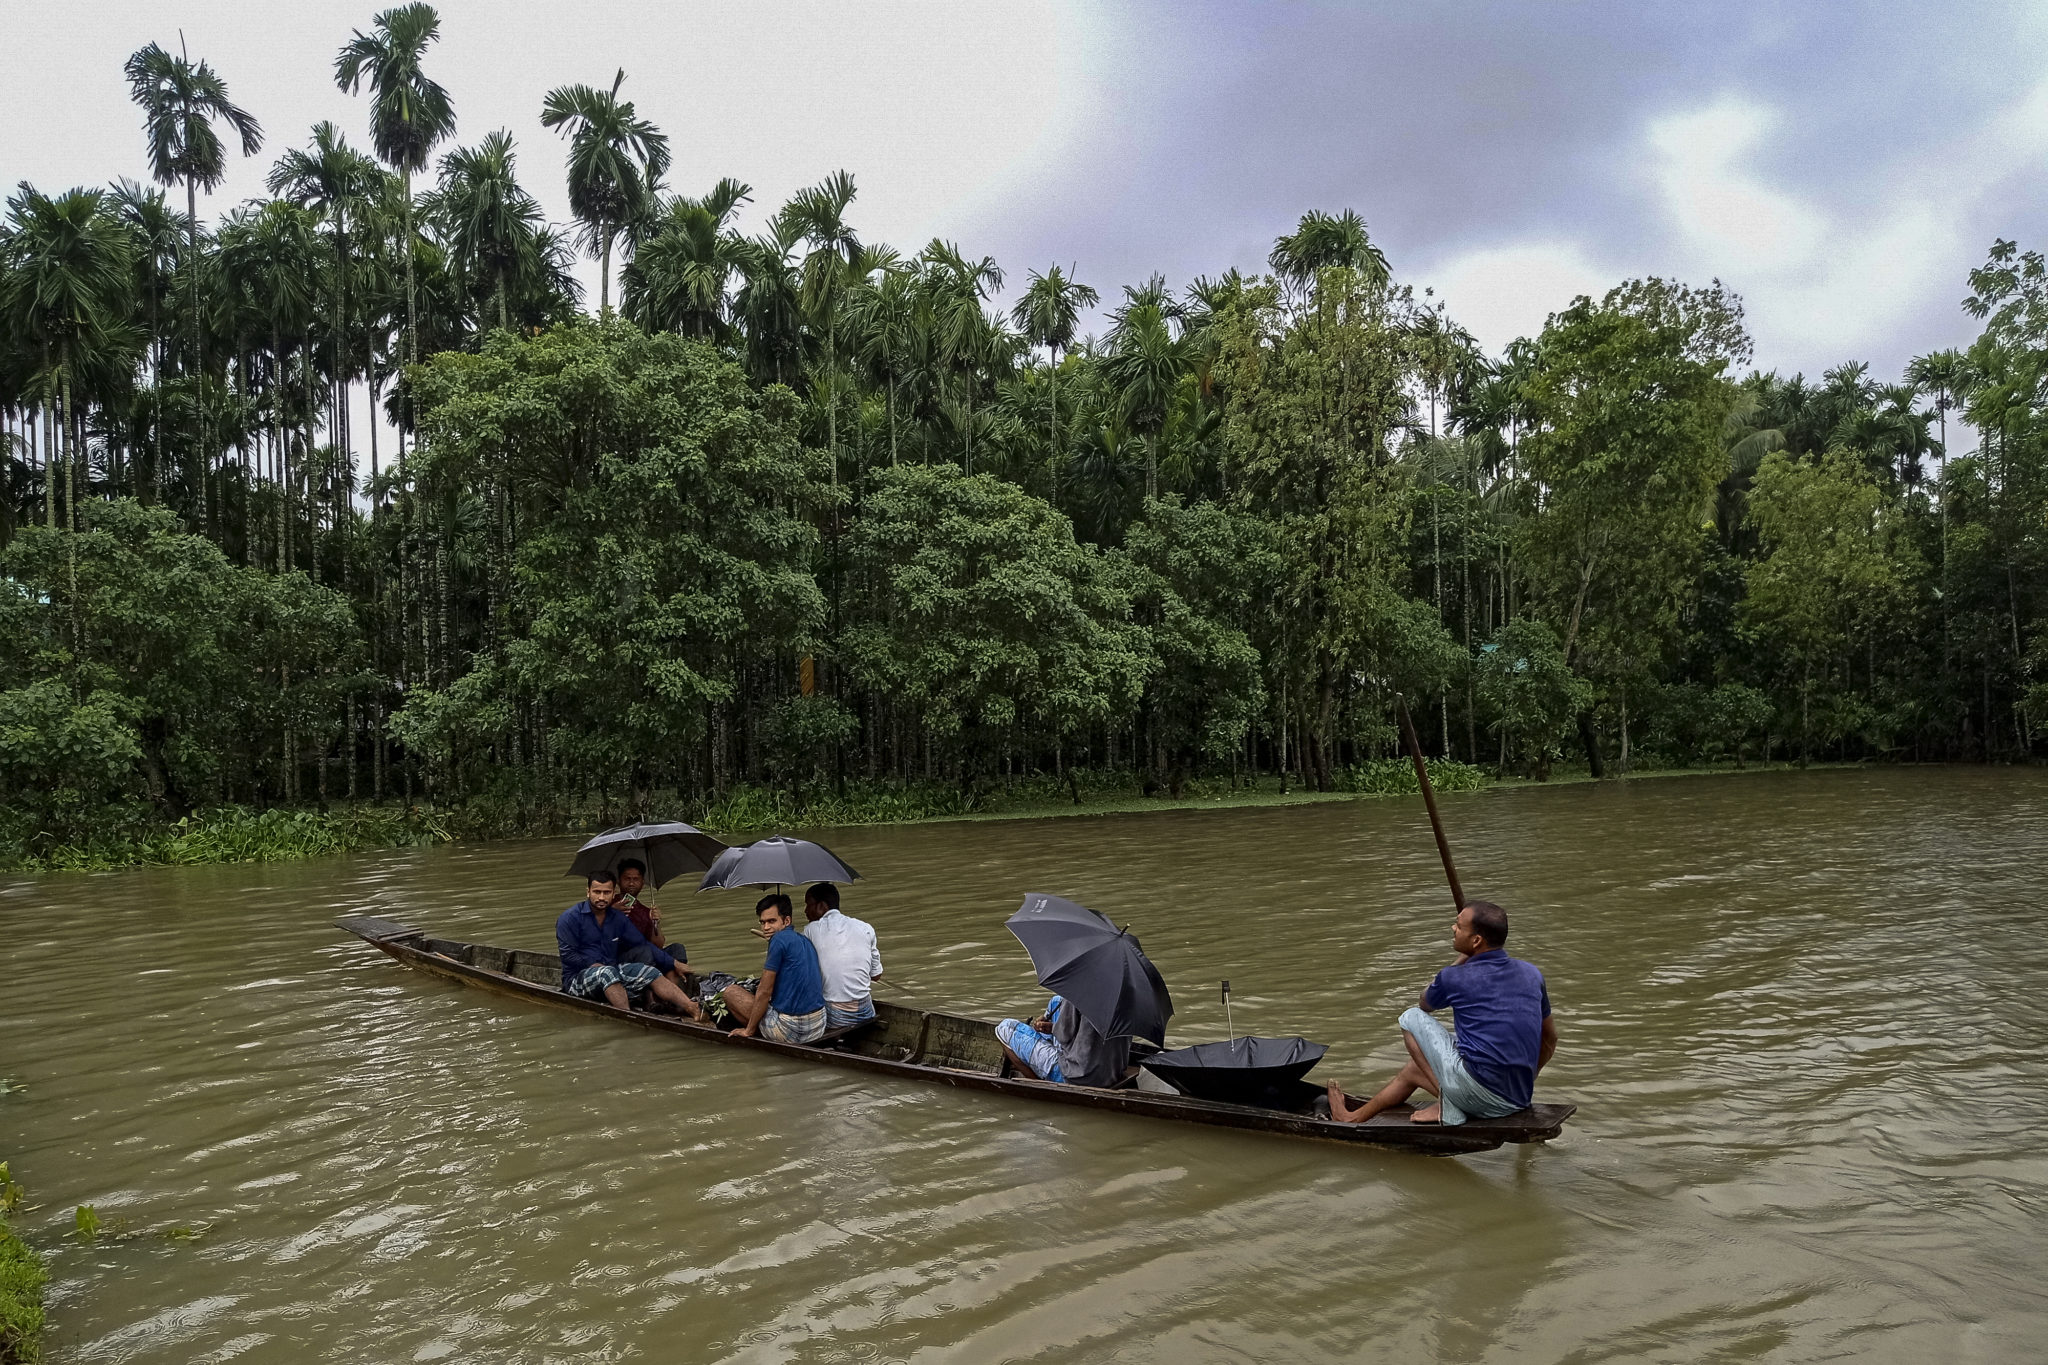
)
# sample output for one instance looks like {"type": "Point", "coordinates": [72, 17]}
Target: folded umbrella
{"type": "Point", "coordinates": [776, 861]}
{"type": "Point", "coordinates": [1100, 969]}
{"type": "Point", "coordinates": [669, 849]}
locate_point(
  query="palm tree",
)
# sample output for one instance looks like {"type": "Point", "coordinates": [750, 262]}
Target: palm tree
{"type": "Point", "coordinates": [66, 291]}
{"type": "Point", "coordinates": [1146, 362]}
{"type": "Point", "coordinates": [269, 257]}
{"type": "Point", "coordinates": [180, 102]}
{"type": "Point", "coordinates": [769, 303]}
{"type": "Point", "coordinates": [882, 317]}
{"type": "Point", "coordinates": [684, 263]}
{"type": "Point", "coordinates": [333, 180]}
{"type": "Point", "coordinates": [409, 114]}
{"type": "Point", "coordinates": [493, 227]}
{"type": "Point", "coordinates": [966, 341]}
{"type": "Point", "coordinates": [1047, 316]}
{"type": "Point", "coordinates": [1946, 377]}
{"type": "Point", "coordinates": [157, 231]}
{"type": "Point", "coordinates": [615, 160]}
{"type": "Point", "coordinates": [817, 215]}
{"type": "Point", "coordinates": [1321, 241]}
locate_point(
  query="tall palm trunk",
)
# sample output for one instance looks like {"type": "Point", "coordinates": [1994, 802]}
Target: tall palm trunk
{"type": "Point", "coordinates": [200, 458]}
{"type": "Point", "coordinates": [49, 423]}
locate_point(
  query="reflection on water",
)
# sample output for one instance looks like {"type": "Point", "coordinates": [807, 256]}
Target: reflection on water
{"type": "Point", "coordinates": [1804, 1016]}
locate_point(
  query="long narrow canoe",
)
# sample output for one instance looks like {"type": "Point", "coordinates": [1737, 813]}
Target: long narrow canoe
{"type": "Point", "coordinates": [949, 1049]}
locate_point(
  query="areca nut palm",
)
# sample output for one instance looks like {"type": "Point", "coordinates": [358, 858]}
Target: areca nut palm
{"type": "Point", "coordinates": [684, 263]}
{"type": "Point", "coordinates": [615, 160]}
{"type": "Point", "coordinates": [1145, 363]}
{"type": "Point", "coordinates": [1320, 241]}
{"type": "Point", "coordinates": [333, 180]}
{"type": "Point", "coordinates": [65, 291]}
{"type": "Point", "coordinates": [270, 258]}
{"type": "Point", "coordinates": [1048, 315]}
{"type": "Point", "coordinates": [817, 215]}
{"type": "Point", "coordinates": [410, 113]}
{"type": "Point", "coordinates": [493, 225]}
{"type": "Point", "coordinates": [181, 100]}
{"type": "Point", "coordinates": [157, 231]}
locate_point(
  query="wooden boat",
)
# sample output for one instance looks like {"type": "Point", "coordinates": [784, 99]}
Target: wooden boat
{"type": "Point", "coordinates": [949, 1049]}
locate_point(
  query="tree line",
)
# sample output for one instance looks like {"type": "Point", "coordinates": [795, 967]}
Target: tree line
{"type": "Point", "coordinates": [793, 508]}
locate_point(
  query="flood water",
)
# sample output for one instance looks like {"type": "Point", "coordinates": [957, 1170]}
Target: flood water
{"type": "Point", "coordinates": [1805, 1018]}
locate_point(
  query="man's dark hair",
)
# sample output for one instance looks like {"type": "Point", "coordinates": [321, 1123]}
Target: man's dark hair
{"type": "Point", "coordinates": [600, 876]}
{"type": "Point", "coordinates": [1489, 921]}
{"type": "Point", "coordinates": [778, 900]}
{"type": "Point", "coordinates": [825, 894]}
{"type": "Point", "coordinates": [633, 863]}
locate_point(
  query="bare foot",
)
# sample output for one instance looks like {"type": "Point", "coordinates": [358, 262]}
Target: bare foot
{"type": "Point", "coordinates": [1433, 1114]}
{"type": "Point", "coordinates": [1339, 1110]}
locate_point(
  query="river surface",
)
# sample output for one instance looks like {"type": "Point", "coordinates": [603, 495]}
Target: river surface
{"type": "Point", "coordinates": [1805, 1018]}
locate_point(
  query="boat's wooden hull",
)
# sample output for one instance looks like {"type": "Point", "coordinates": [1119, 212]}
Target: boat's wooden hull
{"type": "Point", "coordinates": [947, 1049]}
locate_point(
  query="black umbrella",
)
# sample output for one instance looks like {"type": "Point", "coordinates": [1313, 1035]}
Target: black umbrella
{"type": "Point", "coordinates": [669, 849]}
{"type": "Point", "coordinates": [1101, 970]}
{"type": "Point", "coordinates": [776, 861]}
{"type": "Point", "coordinates": [1241, 1071]}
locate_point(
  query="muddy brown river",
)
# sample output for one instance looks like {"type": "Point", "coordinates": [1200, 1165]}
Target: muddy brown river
{"type": "Point", "coordinates": [1805, 1018]}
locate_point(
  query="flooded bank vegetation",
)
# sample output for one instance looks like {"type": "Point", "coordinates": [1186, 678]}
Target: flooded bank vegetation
{"type": "Point", "coordinates": [794, 522]}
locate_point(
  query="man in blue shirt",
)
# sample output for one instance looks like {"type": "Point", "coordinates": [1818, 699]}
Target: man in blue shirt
{"type": "Point", "coordinates": [1505, 1032]}
{"type": "Point", "coordinates": [597, 943]}
{"type": "Point", "coordinates": [789, 1004]}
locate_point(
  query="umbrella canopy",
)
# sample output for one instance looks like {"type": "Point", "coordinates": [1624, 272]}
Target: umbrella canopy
{"type": "Point", "coordinates": [1241, 1071]}
{"type": "Point", "coordinates": [669, 850]}
{"type": "Point", "coordinates": [1100, 969]}
{"type": "Point", "coordinates": [776, 861]}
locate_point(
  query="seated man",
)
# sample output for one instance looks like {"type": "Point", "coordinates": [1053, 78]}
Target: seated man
{"type": "Point", "coordinates": [1060, 1045]}
{"type": "Point", "coordinates": [647, 919]}
{"type": "Point", "coordinates": [848, 957]}
{"type": "Point", "coordinates": [1505, 1032]}
{"type": "Point", "coordinates": [789, 1004]}
{"type": "Point", "coordinates": [597, 943]}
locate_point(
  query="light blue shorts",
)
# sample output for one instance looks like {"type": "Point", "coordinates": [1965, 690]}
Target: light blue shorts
{"type": "Point", "coordinates": [1038, 1050]}
{"type": "Point", "coordinates": [1462, 1096]}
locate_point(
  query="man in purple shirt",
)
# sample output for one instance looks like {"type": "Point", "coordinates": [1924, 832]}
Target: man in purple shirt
{"type": "Point", "coordinates": [1505, 1032]}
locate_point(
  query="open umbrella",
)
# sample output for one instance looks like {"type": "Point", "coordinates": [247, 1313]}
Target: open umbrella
{"type": "Point", "coordinates": [1100, 969]}
{"type": "Point", "coordinates": [1240, 1071]}
{"type": "Point", "coordinates": [776, 861]}
{"type": "Point", "coordinates": [669, 849]}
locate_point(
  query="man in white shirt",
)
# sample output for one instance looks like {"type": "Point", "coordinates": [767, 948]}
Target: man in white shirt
{"type": "Point", "coordinates": [847, 956]}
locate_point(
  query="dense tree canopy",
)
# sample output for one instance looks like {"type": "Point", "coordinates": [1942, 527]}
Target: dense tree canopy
{"type": "Point", "coordinates": [812, 509]}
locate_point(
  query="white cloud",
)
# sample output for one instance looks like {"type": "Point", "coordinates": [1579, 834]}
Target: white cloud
{"type": "Point", "coordinates": [1503, 292]}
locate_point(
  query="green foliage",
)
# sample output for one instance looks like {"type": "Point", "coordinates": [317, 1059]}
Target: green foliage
{"type": "Point", "coordinates": [127, 835]}
{"type": "Point", "coordinates": [22, 1278]}
{"type": "Point", "coordinates": [85, 1222]}
{"type": "Point", "coordinates": [1530, 693]}
{"type": "Point", "coordinates": [982, 611]}
{"type": "Point", "coordinates": [1396, 777]}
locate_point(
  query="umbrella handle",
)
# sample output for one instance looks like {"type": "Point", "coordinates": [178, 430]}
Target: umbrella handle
{"type": "Point", "coordinates": [1230, 1023]}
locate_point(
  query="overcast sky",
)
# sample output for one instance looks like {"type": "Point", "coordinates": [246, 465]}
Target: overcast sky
{"type": "Point", "coordinates": [1841, 166]}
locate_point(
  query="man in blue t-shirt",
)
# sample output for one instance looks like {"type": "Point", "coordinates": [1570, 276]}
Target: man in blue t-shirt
{"type": "Point", "coordinates": [789, 1004]}
{"type": "Point", "coordinates": [1505, 1032]}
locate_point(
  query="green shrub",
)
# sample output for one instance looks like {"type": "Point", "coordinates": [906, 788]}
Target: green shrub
{"type": "Point", "coordinates": [21, 1300]}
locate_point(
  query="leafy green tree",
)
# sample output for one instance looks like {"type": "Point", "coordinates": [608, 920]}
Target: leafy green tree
{"type": "Point", "coordinates": [1529, 688]}
{"type": "Point", "coordinates": [1829, 571]}
{"type": "Point", "coordinates": [982, 614]}
{"type": "Point", "coordinates": [1626, 449]}
{"type": "Point", "coordinates": [667, 545]}
{"type": "Point", "coordinates": [616, 158]}
{"type": "Point", "coordinates": [1200, 570]}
